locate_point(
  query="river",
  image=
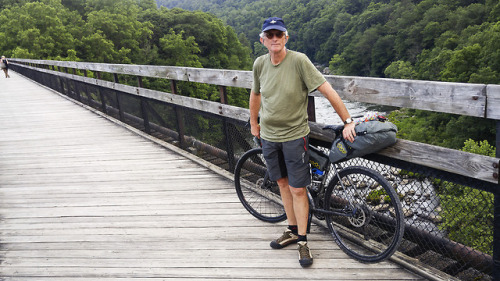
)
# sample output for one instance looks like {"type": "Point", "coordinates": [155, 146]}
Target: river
{"type": "Point", "coordinates": [326, 114]}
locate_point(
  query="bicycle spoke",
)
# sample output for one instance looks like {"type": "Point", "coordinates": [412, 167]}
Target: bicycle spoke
{"type": "Point", "coordinates": [373, 213]}
{"type": "Point", "coordinates": [258, 195]}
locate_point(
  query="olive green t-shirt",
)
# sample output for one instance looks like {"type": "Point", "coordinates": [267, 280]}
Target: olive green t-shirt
{"type": "Point", "coordinates": [284, 89]}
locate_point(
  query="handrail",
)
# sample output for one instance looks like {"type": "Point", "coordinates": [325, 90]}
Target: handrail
{"type": "Point", "coordinates": [458, 162]}
{"type": "Point", "coordinates": [478, 100]}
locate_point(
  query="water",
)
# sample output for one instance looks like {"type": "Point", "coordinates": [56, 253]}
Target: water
{"type": "Point", "coordinates": [326, 114]}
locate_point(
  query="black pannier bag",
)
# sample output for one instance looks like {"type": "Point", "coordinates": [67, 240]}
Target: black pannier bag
{"type": "Point", "coordinates": [371, 136]}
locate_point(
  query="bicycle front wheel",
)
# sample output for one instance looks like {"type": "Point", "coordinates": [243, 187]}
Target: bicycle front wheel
{"type": "Point", "coordinates": [372, 223]}
{"type": "Point", "coordinates": [259, 195]}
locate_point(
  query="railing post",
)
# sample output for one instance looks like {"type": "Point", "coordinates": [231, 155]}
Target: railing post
{"type": "Point", "coordinates": [229, 144]}
{"type": "Point", "coordinates": [179, 114]}
{"type": "Point", "coordinates": [88, 93]}
{"type": "Point", "coordinates": [227, 131]}
{"type": "Point", "coordinates": [311, 109]}
{"type": "Point", "coordinates": [496, 215]}
{"type": "Point", "coordinates": [496, 237]}
{"type": "Point", "coordinates": [223, 94]}
{"type": "Point", "coordinates": [497, 144]}
{"type": "Point", "coordinates": [144, 108]}
{"type": "Point", "coordinates": [75, 88]}
{"type": "Point", "coordinates": [103, 101]}
{"type": "Point", "coordinates": [61, 84]}
{"type": "Point", "coordinates": [118, 99]}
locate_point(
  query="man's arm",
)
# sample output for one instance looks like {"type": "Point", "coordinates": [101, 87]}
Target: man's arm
{"type": "Point", "coordinates": [254, 105]}
{"type": "Point", "coordinates": [339, 106]}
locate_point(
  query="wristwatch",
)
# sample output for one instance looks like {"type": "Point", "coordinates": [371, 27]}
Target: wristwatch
{"type": "Point", "coordinates": [348, 121]}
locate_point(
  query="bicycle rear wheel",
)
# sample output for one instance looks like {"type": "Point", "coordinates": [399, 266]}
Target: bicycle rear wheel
{"type": "Point", "coordinates": [373, 225]}
{"type": "Point", "coordinates": [259, 195]}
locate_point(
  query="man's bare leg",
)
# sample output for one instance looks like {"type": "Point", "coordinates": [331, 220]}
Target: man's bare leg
{"type": "Point", "coordinates": [300, 208]}
{"type": "Point", "coordinates": [290, 236]}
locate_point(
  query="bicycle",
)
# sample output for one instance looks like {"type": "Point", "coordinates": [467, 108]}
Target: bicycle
{"type": "Point", "coordinates": [342, 195]}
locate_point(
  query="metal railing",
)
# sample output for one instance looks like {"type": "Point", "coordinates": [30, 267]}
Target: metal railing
{"type": "Point", "coordinates": [450, 197]}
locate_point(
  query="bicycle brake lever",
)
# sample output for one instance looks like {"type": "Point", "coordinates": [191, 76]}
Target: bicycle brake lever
{"type": "Point", "coordinates": [257, 141]}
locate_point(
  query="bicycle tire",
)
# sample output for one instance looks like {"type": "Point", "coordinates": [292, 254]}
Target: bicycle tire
{"type": "Point", "coordinates": [259, 195]}
{"type": "Point", "coordinates": [373, 231]}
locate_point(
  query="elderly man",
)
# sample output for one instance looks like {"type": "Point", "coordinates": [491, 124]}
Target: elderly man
{"type": "Point", "coordinates": [282, 81]}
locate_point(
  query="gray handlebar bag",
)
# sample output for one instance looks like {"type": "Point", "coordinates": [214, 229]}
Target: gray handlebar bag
{"type": "Point", "coordinates": [371, 136]}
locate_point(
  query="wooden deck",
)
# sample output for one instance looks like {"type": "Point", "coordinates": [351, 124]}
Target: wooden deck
{"type": "Point", "coordinates": [83, 198]}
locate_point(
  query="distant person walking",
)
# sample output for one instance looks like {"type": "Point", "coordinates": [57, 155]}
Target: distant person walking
{"type": "Point", "coordinates": [4, 65]}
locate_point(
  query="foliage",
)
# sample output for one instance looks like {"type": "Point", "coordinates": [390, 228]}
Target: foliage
{"type": "Point", "coordinates": [179, 51]}
{"type": "Point", "coordinates": [374, 196]}
{"type": "Point", "coordinates": [441, 129]}
{"type": "Point", "coordinates": [38, 30]}
{"type": "Point", "coordinates": [124, 31]}
{"type": "Point", "coordinates": [482, 148]}
{"type": "Point", "coordinates": [468, 216]}
{"type": "Point", "coordinates": [400, 69]}
{"type": "Point", "coordinates": [429, 40]}
{"type": "Point", "coordinates": [468, 212]}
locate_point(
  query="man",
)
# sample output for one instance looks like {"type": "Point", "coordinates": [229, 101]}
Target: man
{"type": "Point", "coordinates": [282, 81]}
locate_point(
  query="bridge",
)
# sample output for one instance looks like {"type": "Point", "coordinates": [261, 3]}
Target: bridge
{"type": "Point", "coordinates": [107, 180]}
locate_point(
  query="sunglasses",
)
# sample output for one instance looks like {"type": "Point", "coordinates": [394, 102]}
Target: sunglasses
{"type": "Point", "coordinates": [278, 34]}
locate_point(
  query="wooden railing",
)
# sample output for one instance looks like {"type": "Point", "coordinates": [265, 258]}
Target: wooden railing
{"type": "Point", "coordinates": [478, 100]}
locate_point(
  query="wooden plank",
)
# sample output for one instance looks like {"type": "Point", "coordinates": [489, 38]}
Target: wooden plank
{"type": "Point", "coordinates": [230, 78]}
{"type": "Point", "coordinates": [184, 259]}
{"type": "Point", "coordinates": [457, 98]}
{"type": "Point", "coordinates": [223, 272]}
{"type": "Point", "coordinates": [450, 160]}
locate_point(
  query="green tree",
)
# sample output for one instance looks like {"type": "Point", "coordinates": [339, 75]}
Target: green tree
{"type": "Point", "coordinates": [179, 51]}
{"type": "Point", "coordinates": [123, 29]}
{"type": "Point", "coordinates": [447, 130]}
{"type": "Point", "coordinates": [462, 64]}
{"type": "Point", "coordinates": [468, 212]}
{"type": "Point", "coordinates": [479, 147]}
{"type": "Point", "coordinates": [41, 29]}
{"type": "Point", "coordinates": [96, 48]}
{"type": "Point", "coordinates": [400, 69]}
{"type": "Point", "coordinates": [218, 44]}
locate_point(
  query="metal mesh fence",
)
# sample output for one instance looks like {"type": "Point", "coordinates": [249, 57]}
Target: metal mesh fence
{"type": "Point", "coordinates": [449, 218]}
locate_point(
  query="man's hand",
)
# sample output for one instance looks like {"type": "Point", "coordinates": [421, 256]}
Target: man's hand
{"type": "Point", "coordinates": [349, 133]}
{"type": "Point", "coordinates": [255, 130]}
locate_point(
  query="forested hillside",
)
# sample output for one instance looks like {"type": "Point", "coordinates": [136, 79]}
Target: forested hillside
{"type": "Point", "coordinates": [118, 31]}
{"type": "Point", "coordinates": [123, 31]}
{"type": "Point", "coordinates": [438, 40]}
{"type": "Point", "coordinates": [447, 40]}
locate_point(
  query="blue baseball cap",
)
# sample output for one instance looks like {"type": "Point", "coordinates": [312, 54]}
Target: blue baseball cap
{"type": "Point", "coordinates": [274, 23]}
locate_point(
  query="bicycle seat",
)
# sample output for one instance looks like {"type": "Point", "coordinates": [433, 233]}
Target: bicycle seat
{"type": "Point", "coordinates": [337, 129]}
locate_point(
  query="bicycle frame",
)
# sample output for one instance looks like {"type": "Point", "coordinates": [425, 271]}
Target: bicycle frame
{"type": "Point", "coordinates": [312, 204]}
